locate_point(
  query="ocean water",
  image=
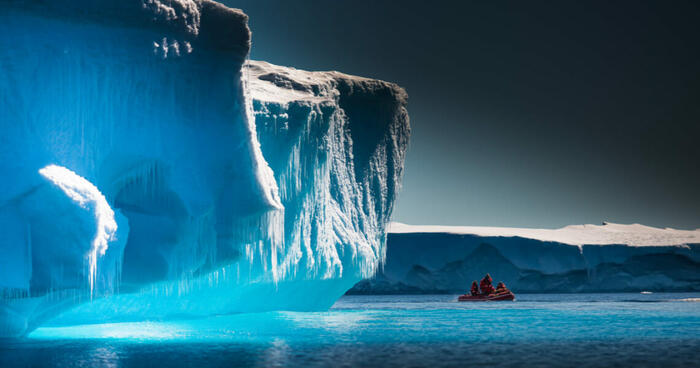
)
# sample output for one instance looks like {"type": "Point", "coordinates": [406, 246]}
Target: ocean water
{"type": "Point", "coordinates": [553, 330]}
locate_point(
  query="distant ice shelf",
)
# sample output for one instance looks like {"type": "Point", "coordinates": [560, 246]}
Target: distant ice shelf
{"type": "Point", "coordinates": [579, 258]}
{"type": "Point", "coordinates": [608, 233]}
{"type": "Point", "coordinates": [151, 172]}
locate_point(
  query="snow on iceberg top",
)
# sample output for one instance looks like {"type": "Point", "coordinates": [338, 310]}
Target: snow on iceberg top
{"type": "Point", "coordinates": [606, 234]}
{"type": "Point", "coordinates": [273, 83]}
{"type": "Point", "coordinates": [205, 22]}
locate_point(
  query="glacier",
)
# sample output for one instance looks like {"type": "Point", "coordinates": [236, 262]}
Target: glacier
{"type": "Point", "coordinates": [152, 171]}
{"type": "Point", "coordinates": [577, 258]}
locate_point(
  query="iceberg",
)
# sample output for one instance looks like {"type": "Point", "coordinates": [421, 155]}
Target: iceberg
{"type": "Point", "coordinates": [152, 171]}
{"type": "Point", "coordinates": [578, 258]}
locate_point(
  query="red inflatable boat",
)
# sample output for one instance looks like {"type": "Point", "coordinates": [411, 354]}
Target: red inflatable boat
{"type": "Point", "coordinates": [504, 296]}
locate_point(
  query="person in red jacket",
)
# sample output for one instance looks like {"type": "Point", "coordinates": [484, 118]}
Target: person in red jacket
{"type": "Point", "coordinates": [475, 288]}
{"type": "Point", "coordinates": [501, 287]}
{"type": "Point", "coordinates": [486, 286]}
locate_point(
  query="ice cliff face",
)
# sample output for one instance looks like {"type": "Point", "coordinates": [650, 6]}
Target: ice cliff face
{"type": "Point", "coordinates": [148, 173]}
{"type": "Point", "coordinates": [336, 144]}
{"type": "Point", "coordinates": [583, 258]}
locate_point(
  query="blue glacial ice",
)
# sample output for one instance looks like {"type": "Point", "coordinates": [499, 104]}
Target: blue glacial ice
{"type": "Point", "coordinates": [151, 171]}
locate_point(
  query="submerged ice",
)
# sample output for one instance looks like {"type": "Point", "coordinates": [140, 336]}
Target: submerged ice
{"type": "Point", "coordinates": [151, 173]}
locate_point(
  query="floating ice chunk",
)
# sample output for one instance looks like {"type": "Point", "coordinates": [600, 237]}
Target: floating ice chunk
{"type": "Point", "coordinates": [252, 189]}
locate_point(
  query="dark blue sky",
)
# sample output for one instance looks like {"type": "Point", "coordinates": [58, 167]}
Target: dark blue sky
{"type": "Point", "coordinates": [524, 113]}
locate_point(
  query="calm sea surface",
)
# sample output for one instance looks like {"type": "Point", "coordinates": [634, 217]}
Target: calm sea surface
{"type": "Point", "coordinates": [554, 330]}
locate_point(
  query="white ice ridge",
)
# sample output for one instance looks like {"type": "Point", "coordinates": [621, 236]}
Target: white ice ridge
{"type": "Point", "coordinates": [608, 233]}
{"type": "Point", "coordinates": [88, 197]}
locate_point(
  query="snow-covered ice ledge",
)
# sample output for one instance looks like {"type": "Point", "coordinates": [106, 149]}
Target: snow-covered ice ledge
{"type": "Point", "coordinates": [577, 258]}
{"type": "Point", "coordinates": [608, 233]}
{"type": "Point", "coordinates": [235, 189]}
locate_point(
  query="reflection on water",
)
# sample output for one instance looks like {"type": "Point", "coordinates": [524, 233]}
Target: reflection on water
{"type": "Point", "coordinates": [103, 356]}
{"type": "Point", "coordinates": [538, 330]}
{"type": "Point", "coordinates": [276, 355]}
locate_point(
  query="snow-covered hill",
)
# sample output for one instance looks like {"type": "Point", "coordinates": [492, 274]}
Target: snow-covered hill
{"type": "Point", "coordinates": [589, 258]}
